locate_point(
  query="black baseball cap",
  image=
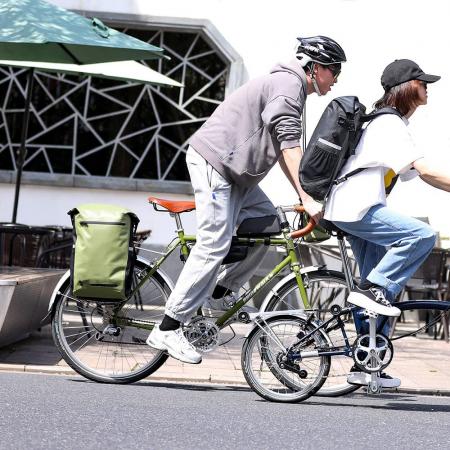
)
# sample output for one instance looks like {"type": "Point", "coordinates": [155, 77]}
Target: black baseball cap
{"type": "Point", "coordinates": [403, 70]}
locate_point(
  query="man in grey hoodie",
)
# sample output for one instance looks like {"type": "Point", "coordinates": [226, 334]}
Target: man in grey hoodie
{"type": "Point", "coordinates": [256, 126]}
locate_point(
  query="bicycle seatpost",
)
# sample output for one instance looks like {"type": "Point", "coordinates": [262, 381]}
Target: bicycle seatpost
{"type": "Point", "coordinates": [177, 221]}
{"type": "Point", "coordinates": [345, 261]}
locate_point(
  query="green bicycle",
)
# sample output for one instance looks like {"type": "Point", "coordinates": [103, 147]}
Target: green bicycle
{"type": "Point", "coordinates": [105, 342]}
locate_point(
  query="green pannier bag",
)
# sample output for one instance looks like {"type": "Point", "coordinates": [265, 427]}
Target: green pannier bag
{"type": "Point", "coordinates": [103, 254]}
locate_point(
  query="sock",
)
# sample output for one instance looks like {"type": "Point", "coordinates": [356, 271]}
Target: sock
{"type": "Point", "coordinates": [220, 291]}
{"type": "Point", "coordinates": [169, 324]}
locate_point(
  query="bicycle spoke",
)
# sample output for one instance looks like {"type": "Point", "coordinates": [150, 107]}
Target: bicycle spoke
{"type": "Point", "coordinates": [324, 289]}
{"type": "Point", "coordinates": [103, 341]}
{"type": "Point", "coordinates": [266, 369]}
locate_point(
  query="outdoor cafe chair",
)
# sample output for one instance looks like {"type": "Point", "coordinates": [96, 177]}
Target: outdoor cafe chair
{"type": "Point", "coordinates": [430, 281]}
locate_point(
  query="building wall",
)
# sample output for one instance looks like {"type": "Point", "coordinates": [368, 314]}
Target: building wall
{"type": "Point", "coordinates": [373, 34]}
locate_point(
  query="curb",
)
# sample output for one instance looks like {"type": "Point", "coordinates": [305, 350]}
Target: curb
{"type": "Point", "coordinates": [61, 370]}
{"type": "Point", "coordinates": [51, 370]}
{"type": "Point", "coordinates": [424, 391]}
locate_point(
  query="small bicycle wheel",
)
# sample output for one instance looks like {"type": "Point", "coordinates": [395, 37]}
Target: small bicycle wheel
{"type": "Point", "coordinates": [324, 288]}
{"type": "Point", "coordinates": [99, 340]}
{"type": "Point", "coordinates": [267, 364]}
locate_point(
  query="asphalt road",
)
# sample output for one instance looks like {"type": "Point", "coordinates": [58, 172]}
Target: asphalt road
{"type": "Point", "coordinates": [43, 411]}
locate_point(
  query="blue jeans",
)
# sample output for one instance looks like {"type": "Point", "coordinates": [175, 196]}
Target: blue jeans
{"type": "Point", "coordinates": [388, 248]}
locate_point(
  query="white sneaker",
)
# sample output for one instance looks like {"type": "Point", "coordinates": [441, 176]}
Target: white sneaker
{"type": "Point", "coordinates": [373, 299]}
{"type": "Point", "coordinates": [363, 379]}
{"type": "Point", "coordinates": [215, 306]}
{"type": "Point", "coordinates": [175, 343]}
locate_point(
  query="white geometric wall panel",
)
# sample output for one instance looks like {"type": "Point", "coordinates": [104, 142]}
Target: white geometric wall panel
{"type": "Point", "coordinates": [91, 126]}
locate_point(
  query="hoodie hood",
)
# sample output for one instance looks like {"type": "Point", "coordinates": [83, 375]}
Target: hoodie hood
{"type": "Point", "coordinates": [294, 67]}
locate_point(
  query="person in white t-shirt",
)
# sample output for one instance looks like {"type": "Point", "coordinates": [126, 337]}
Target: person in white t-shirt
{"type": "Point", "coordinates": [388, 246]}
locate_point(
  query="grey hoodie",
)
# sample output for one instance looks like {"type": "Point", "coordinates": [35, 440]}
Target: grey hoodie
{"type": "Point", "coordinates": [245, 135]}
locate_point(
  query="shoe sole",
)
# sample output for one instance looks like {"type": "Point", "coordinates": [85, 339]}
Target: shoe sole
{"type": "Point", "coordinates": [178, 356]}
{"type": "Point", "coordinates": [361, 300]}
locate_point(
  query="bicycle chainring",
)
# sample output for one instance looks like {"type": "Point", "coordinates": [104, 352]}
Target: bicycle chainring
{"type": "Point", "coordinates": [372, 360]}
{"type": "Point", "coordinates": [203, 334]}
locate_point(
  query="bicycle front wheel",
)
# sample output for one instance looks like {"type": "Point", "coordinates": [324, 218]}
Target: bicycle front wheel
{"type": "Point", "coordinates": [267, 367]}
{"type": "Point", "coordinates": [106, 342]}
{"type": "Point", "coordinates": [324, 288]}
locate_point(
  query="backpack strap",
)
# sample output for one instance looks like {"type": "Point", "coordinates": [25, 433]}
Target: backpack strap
{"type": "Point", "coordinates": [348, 175]}
{"type": "Point", "coordinates": [380, 112]}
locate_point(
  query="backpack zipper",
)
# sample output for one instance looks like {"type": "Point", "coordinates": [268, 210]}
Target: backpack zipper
{"type": "Point", "coordinates": [97, 222]}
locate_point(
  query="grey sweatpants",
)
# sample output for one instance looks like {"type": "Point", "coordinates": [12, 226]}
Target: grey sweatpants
{"type": "Point", "coordinates": [220, 208]}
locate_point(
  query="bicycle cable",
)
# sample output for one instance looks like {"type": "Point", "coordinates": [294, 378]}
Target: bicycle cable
{"type": "Point", "coordinates": [231, 338]}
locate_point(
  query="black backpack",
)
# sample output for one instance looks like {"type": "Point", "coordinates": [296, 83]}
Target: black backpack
{"type": "Point", "coordinates": [334, 140]}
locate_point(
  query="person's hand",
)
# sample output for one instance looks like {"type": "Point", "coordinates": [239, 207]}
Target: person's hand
{"type": "Point", "coordinates": [314, 209]}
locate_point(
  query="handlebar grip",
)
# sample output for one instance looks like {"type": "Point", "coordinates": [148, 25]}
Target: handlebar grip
{"type": "Point", "coordinates": [305, 230]}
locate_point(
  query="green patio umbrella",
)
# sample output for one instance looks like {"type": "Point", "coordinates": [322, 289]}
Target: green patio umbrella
{"type": "Point", "coordinates": [34, 30]}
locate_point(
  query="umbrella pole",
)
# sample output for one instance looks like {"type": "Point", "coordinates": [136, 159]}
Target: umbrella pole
{"type": "Point", "coordinates": [22, 150]}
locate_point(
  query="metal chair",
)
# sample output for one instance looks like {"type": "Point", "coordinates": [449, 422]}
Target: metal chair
{"type": "Point", "coordinates": [431, 281]}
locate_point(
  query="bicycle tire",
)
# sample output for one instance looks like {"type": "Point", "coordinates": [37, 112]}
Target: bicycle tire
{"type": "Point", "coordinates": [263, 367]}
{"type": "Point", "coordinates": [78, 332]}
{"type": "Point", "coordinates": [332, 289]}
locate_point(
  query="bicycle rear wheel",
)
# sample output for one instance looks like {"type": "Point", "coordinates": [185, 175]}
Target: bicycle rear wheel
{"type": "Point", "coordinates": [324, 288]}
{"type": "Point", "coordinates": [98, 339]}
{"type": "Point", "coordinates": [266, 365]}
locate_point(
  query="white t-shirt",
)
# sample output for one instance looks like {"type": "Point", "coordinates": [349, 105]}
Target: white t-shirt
{"type": "Point", "coordinates": [387, 148]}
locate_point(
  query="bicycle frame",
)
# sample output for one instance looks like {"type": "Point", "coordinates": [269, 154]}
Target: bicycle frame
{"type": "Point", "coordinates": [184, 241]}
{"type": "Point", "coordinates": [335, 322]}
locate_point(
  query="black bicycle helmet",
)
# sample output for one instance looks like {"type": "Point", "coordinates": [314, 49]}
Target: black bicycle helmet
{"type": "Point", "coordinates": [321, 49]}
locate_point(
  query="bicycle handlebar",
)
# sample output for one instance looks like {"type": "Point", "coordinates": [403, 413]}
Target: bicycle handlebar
{"type": "Point", "coordinates": [305, 230]}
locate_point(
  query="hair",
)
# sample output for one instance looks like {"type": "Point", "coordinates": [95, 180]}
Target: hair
{"type": "Point", "coordinates": [402, 97]}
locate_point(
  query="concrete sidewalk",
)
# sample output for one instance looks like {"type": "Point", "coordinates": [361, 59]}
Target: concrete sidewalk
{"type": "Point", "coordinates": [422, 363]}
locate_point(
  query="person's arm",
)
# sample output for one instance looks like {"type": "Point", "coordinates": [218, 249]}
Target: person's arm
{"type": "Point", "coordinates": [432, 175]}
{"type": "Point", "coordinates": [290, 163]}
